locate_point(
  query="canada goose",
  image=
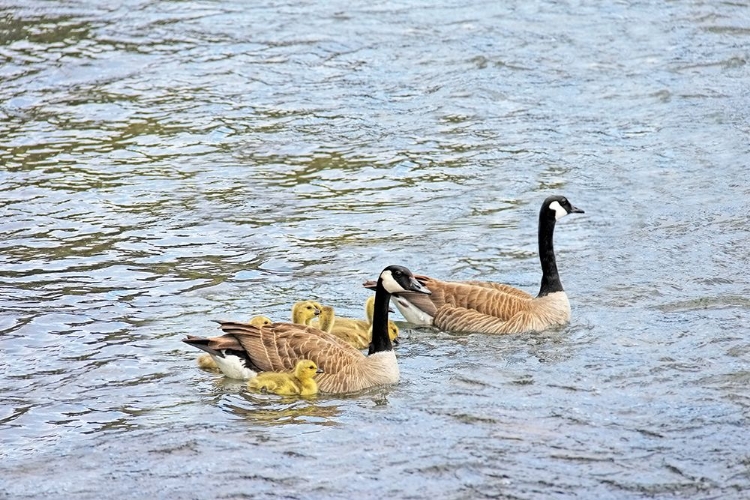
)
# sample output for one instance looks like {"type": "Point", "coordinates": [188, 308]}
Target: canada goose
{"type": "Point", "coordinates": [207, 362]}
{"type": "Point", "coordinates": [301, 381]}
{"type": "Point", "coordinates": [356, 332]}
{"type": "Point", "coordinates": [478, 306]}
{"type": "Point", "coordinates": [278, 346]}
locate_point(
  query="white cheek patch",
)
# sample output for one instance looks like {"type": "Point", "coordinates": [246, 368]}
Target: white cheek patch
{"type": "Point", "coordinates": [560, 212]}
{"type": "Point", "coordinates": [390, 284]}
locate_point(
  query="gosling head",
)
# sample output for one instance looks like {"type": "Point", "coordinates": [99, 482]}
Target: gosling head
{"type": "Point", "coordinates": [560, 207]}
{"type": "Point", "coordinates": [393, 332]}
{"type": "Point", "coordinates": [397, 279]}
{"type": "Point", "coordinates": [306, 369]}
{"type": "Point", "coordinates": [260, 321]}
{"type": "Point", "coordinates": [303, 312]}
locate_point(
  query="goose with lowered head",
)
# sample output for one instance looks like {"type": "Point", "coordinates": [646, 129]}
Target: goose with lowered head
{"type": "Point", "coordinates": [279, 346]}
{"type": "Point", "coordinates": [486, 307]}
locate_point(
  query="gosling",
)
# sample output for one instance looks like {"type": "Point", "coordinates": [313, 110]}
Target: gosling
{"type": "Point", "coordinates": [301, 382]}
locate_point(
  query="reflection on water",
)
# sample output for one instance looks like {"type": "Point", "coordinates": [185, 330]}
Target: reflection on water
{"type": "Point", "coordinates": [166, 164]}
{"type": "Point", "coordinates": [261, 409]}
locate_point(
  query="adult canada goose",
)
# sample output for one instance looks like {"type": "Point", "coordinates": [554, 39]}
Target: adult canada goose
{"type": "Point", "coordinates": [485, 307]}
{"type": "Point", "coordinates": [301, 381]}
{"type": "Point", "coordinates": [207, 362]}
{"type": "Point", "coordinates": [278, 347]}
{"type": "Point", "coordinates": [356, 332]}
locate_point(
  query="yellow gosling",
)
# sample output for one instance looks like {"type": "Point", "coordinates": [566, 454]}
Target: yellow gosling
{"type": "Point", "coordinates": [305, 311]}
{"type": "Point", "coordinates": [206, 362]}
{"type": "Point", "coordinates": [326, 319]}
{"type": "Point", "coordinates": [301, 382]}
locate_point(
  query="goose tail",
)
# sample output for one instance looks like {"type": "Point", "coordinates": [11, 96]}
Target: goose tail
{"type": "Point", "coordinates": [201, 343]}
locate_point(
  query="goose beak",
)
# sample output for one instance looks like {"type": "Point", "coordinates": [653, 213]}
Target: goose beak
{"type": "Point", "coordinates": [416, 286]}
{"type": "Point", "coordinates": [319, 370]}
{"type": "Point", "coordinates": [576, 210]}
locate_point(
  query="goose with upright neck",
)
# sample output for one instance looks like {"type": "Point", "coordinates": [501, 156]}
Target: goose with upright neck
{"type": "Point", "coordinates": [279, 346]}
{"type": "Point", "coordinates": [488, 307]}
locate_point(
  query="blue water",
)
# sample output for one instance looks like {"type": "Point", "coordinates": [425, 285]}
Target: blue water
{"type": "Point", "coordinates": [164, 164]}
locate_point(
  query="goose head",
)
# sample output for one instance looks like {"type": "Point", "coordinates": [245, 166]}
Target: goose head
{"type": "Point", "coordinates": [398, 279]}
{"type": "Point", "coordinates": [558, 207]}
{"type": "Point", "coordinates": [392, 279]}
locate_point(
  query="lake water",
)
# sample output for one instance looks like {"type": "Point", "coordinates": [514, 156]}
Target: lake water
{"type": "Point", "coordinates": [164, 164]}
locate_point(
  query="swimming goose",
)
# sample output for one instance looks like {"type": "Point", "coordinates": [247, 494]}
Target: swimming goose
{"type": "Point", "coordinates": [301, 381]}
{"type": "Point", "coordinates": [278, 347]}
{"type": "Point", "coordinates": [207, 362]}
{"type": "Point", "coordinates": [485, 307]}
{"type": "Point", "coordinates": [356, 332]}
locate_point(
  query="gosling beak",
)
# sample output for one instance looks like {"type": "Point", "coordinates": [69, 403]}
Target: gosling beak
{"type": "Point", "coordinates": [395, 341]}
{"type": "Point", "coordinates": [390, 310]}
{"type": "Point", "coordinates": [319, 370]}
{"type": "Point", "coordinates": [416, 286]}
{"type": "Point", "coordinates": [575, 210]}
{"type": "Point", "coordinates": [317, 312]}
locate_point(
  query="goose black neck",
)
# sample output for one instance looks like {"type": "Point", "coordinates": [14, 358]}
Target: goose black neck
{"type": "Point", "coordinates": [550, 279]}
{"type": "Point", "coordinates": [380, 339]}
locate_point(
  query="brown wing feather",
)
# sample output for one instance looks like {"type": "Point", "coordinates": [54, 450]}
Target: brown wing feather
{"type": "Point", "coordinates": [460, 319]}
{"type": "Point", "coordinates": [500, 287]}
{"type": "Point", "coordinates": [491, 299]}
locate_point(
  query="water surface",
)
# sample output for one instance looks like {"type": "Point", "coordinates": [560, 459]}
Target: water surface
{"type": "Point", "coordinates": [168, 163]}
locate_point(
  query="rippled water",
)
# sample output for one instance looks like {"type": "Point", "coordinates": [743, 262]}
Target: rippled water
{"type": "Point", "coordinates": [168, 163]}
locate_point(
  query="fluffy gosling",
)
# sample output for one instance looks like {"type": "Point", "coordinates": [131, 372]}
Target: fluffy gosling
{"type": "Point", "coordinates": [301, 382]}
